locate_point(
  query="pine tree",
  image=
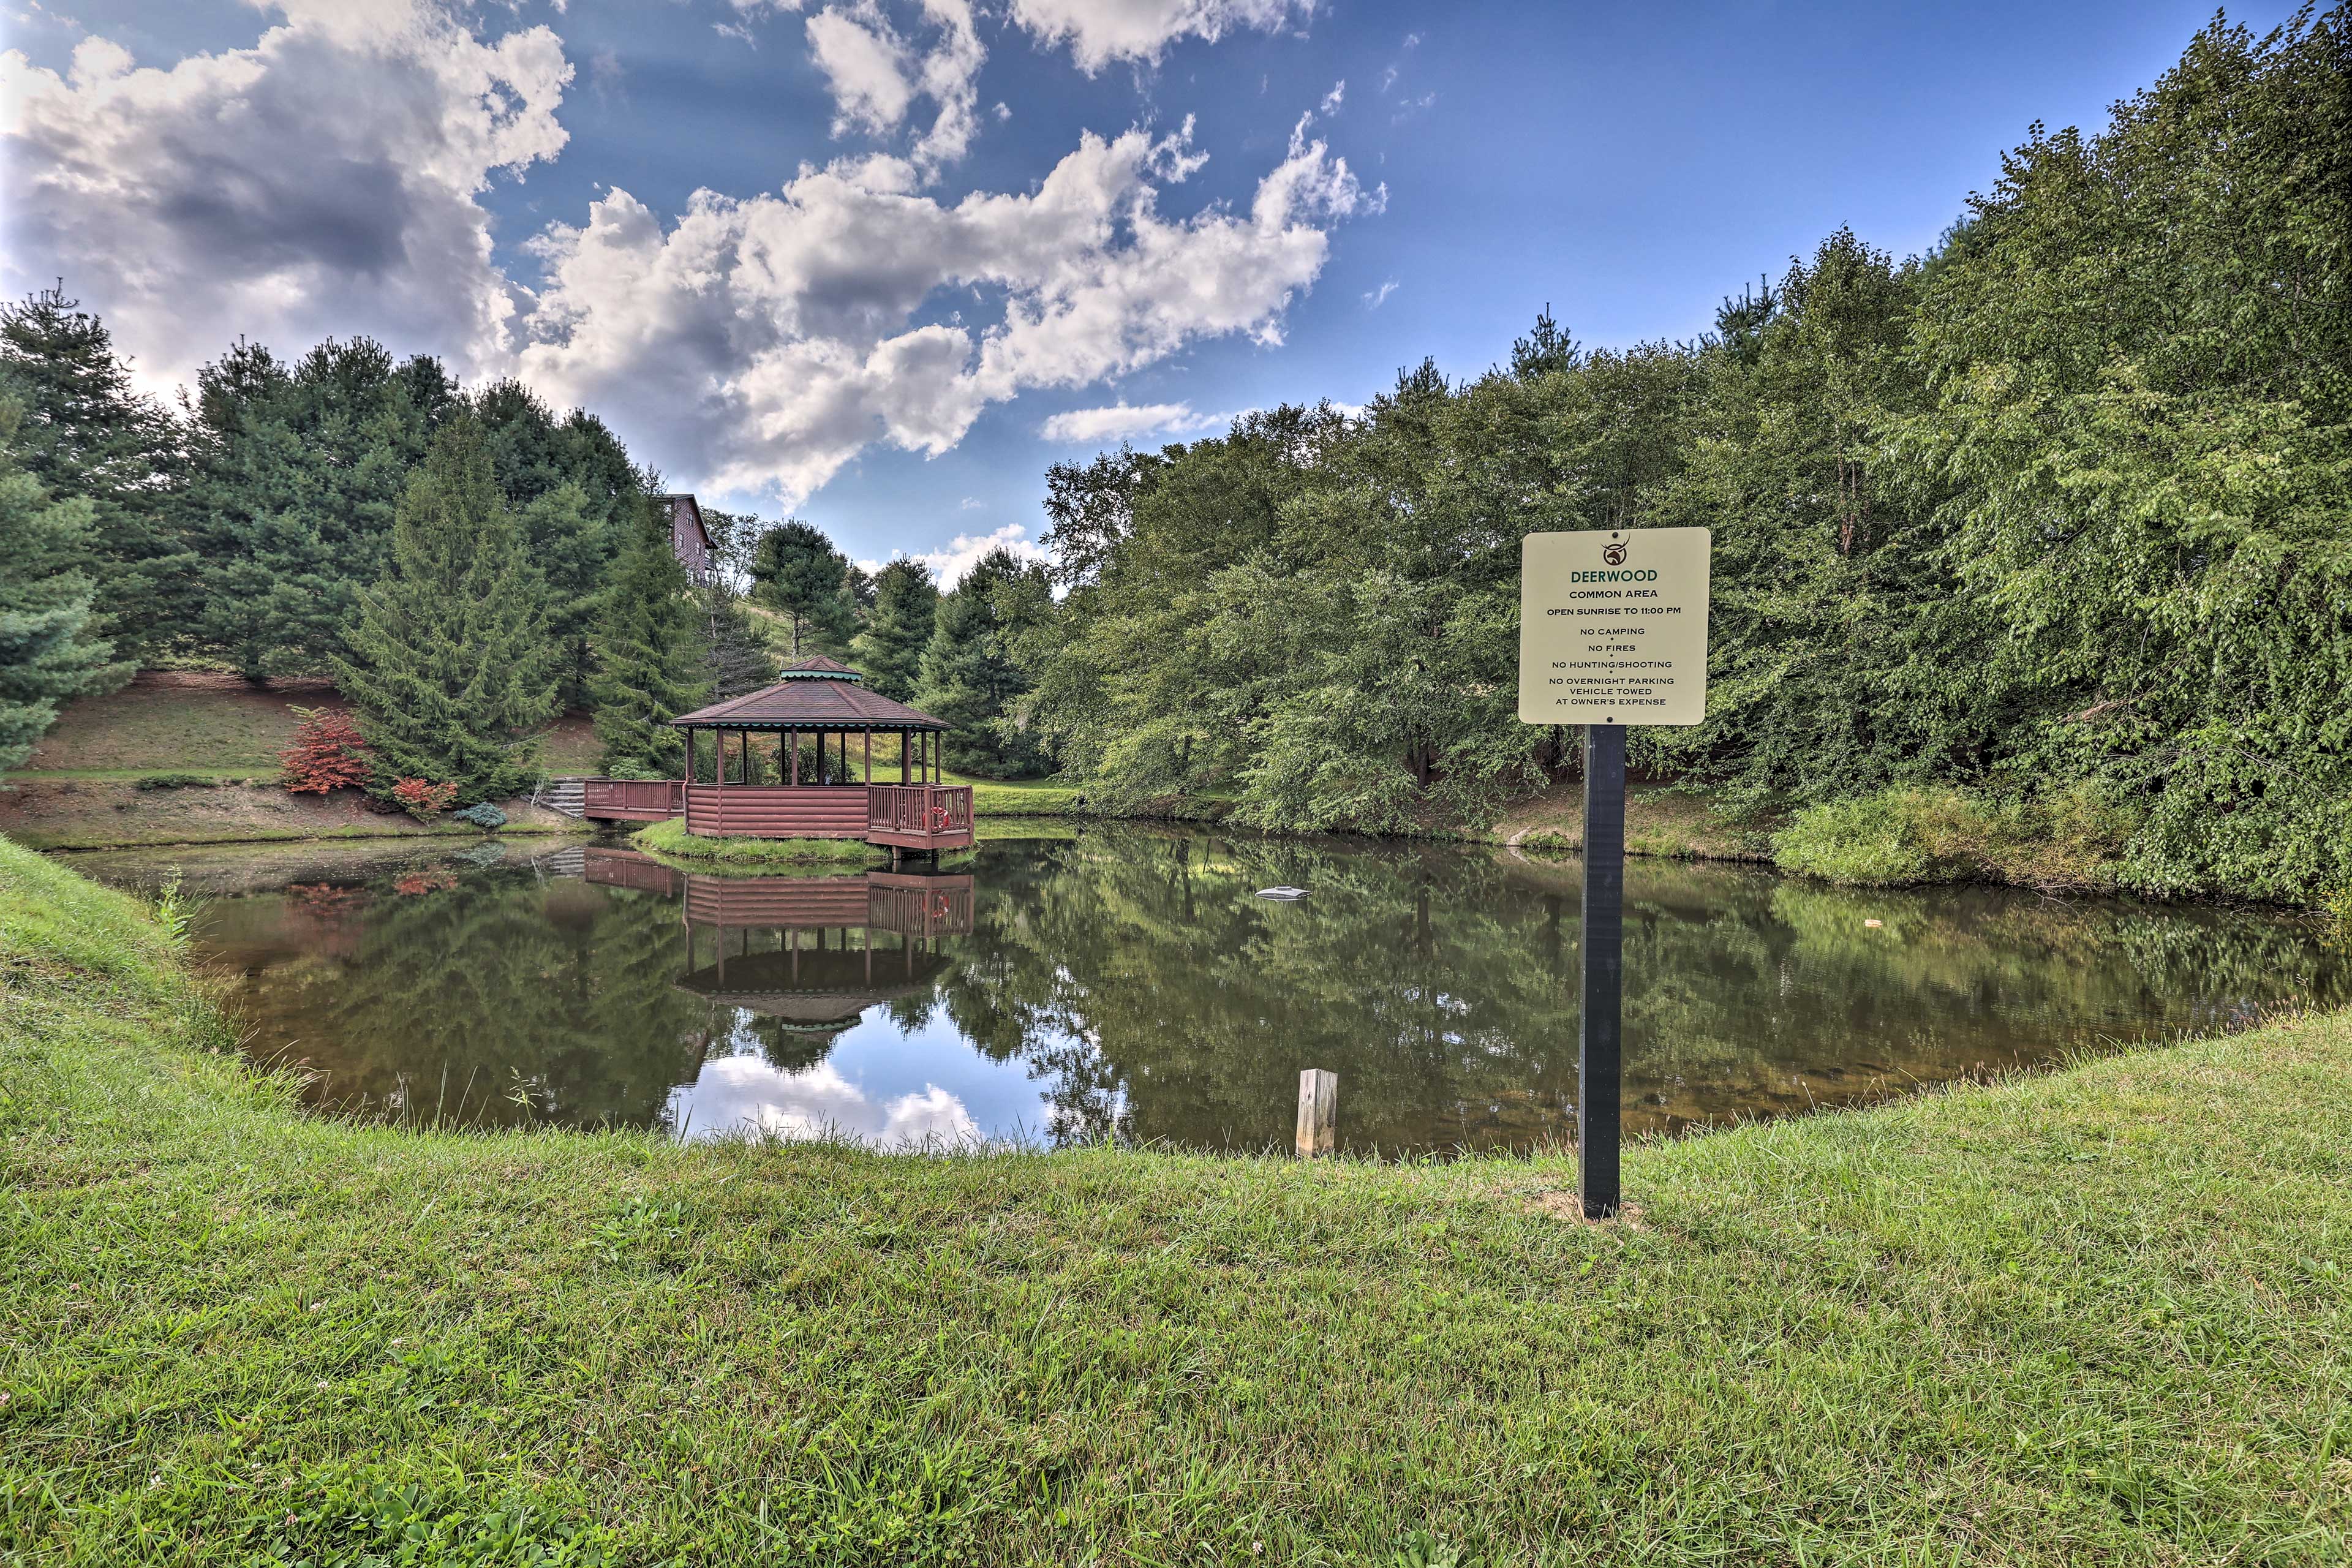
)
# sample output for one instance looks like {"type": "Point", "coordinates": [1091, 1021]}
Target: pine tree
{"type": "Point", "coordinates": [970, 676]}
{"type": "Point", "coordinates": [572, 485]}
{"type": "Point", "coordinates": [736, 657]}
{"type": "Point", "coordinates": [85, 435]}
{"type": "Point", "coordinates": [890, 649]}
{"type": "Point", "coordinates": [450, 667]}
{"type": "Point", "coordinates": [651, 663]}
{"type": "Point", "coordinates": [300, 471]}
{"type": "Point", "coordinates": [47, 651]}
{"type": "Point", "coordinates": [797, 572]}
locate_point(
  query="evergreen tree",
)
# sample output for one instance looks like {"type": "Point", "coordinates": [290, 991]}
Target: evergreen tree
{"type": "Point", "coordinates": [47, 651]}
{"type": "Point", "coordinates": [735, 655]}
{"type": "Point", "coordinates": [576, 492]}
{"type": "Point", "coordinates": [898, 628]}
{"type": "Point", "coordinates": [86, 436]}
{"type": "Point", "coordinates": [797, 572]}
{"type": "Point", "coordinates": [970, 677]}
{"type": "Point", "coordinates": [651, 663]}
{"type": "Point", "coordinates": [450, 667]}
{"type": "Point", "coordinates": [300, 471]}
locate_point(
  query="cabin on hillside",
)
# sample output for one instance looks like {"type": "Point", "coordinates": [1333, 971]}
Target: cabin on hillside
{"type": "Point", "coordinates": [689, 536]}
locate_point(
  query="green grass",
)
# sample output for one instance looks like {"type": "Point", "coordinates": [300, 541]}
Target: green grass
{"type": "Point", "coordinates": [671, 838]}
{"type": "Point", "coordinates": [2098, 1316]}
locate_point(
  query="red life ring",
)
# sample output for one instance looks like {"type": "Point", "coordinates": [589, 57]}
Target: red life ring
{"type": "Point", "coordinates": [938, 906]}
{"type": "Point", "coordinates": [939, 819]}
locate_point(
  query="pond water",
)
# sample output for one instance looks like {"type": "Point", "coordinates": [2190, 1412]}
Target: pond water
{"type": "Point", "coordinates": [1126, 982]}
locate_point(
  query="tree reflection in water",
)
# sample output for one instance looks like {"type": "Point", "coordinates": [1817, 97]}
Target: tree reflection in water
{"type": "Point", "coordinates": [1124, 982]}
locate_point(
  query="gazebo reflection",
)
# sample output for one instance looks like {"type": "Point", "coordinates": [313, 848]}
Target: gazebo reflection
{"type": "Point", "coordinates": [806, 956]}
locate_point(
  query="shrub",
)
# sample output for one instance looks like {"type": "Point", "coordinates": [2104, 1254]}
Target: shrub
{"type": "Point", "coordinates": [484, 816]}
{"type": "Point", "coordinates": [175, 781]}
{"type": "Point", "coordinates": [327, 753]}
{"type": "Point", "coordinates": [424, 800]}
{"type": "Point", "coordinates": [2066, 839]}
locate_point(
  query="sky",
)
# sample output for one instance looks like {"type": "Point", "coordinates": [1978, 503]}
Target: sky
{"type": "Point", "coordinates": [878, 263]}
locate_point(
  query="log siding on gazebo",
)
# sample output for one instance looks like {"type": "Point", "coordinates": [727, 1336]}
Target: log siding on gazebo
{"type": "Point", "coordinates": [825, 703]}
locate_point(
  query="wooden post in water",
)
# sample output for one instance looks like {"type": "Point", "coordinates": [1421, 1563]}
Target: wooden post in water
{"type": "Point", "coordinates": [1319, 1111]}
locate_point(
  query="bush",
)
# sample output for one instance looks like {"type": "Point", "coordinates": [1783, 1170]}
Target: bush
{"type": "Point", "coordinates": [327, 753]}
{"type": "Point", "coordinates": [176, 781]}
{"type": "Point", "coordinates": [484, 816]}
{"type": "Point", "coordinates": [424, 800]}
{"type": "Point", "coordinates": [1904, 835]}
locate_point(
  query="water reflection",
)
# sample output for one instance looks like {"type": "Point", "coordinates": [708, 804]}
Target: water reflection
{"type": "Point", "coordinates": [1126, 982]}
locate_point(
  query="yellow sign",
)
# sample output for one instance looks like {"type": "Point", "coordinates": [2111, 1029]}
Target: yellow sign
{"type": "Point", "coordinates": [1612, 626]}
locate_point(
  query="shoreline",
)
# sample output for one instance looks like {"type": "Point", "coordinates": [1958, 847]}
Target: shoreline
{"type": "Point", "coordinates": [1901, 1332]}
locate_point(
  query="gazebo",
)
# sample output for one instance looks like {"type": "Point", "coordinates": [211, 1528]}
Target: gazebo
{"type": "Point", "coordinates": [780, 766]}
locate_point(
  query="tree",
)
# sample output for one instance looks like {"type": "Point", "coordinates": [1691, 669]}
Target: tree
{"type": "Point", "coordinates": [797, 574]}
{"type": "Point", "coordinates": [48, 652]}
{"type": "Point", "coordinates": [450, 667]}
{"type": "Point", "coordinates": [651, 661]}
{"type": "Point", "coordinates": [889, 650]}
{"type": "Point", "coordinates": [969, 674]}
{"type": "Point", "coordinates": [85, 435]}
{"type": "Point", "coordinates": [576, 492]}
{"type": "Point", "coordinates": [298, 473]}
{"type": "Point", "coordinates": [735, 654]}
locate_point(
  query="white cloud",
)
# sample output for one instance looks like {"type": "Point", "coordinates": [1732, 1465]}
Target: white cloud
{"type": "Point", "coordinates": [761, 343]}
{"type": "Point", "coordinates": [323, 182]}
{"type": "Point", "coordinates": [876, 75]}
{"type": "Point", "coordinates": [1086, 427]}
{"type": "Point", "coordinates": [328, 181]}
{"type": "Point", "coordinates": [1378, 297]}
{"type": "Point", "coordinates": [1336, 96]}
{"type": "Point", "coordinates": [962, 552]}
{"type": "Point", "coordinates": [1101, 31]}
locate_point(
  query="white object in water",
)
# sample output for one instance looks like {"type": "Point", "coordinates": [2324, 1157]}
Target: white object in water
{"type": "Point", "coordinates": [1285, 892]}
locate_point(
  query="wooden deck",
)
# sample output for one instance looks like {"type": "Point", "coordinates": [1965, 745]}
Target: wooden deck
{"type": "Point", "coordinates": [902, 817]}
{"type": "Point", "coordinates": [631, 800]}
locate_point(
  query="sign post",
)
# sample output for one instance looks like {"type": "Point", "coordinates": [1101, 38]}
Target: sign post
{"type": "Point", "coordinates": [1612, 631]}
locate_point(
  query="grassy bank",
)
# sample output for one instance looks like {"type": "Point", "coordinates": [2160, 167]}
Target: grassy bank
{"type": "Point", "coordinates": [671, 840]}
{"type": "Point", "coordinates": [2101, 1315]}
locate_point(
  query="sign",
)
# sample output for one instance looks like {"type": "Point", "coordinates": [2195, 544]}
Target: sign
{"type": "Point", "coordinates": [1612, 626]}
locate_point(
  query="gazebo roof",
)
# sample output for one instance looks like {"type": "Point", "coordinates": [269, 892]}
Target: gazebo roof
{"type": "Point", "coordinates": [815, 694]}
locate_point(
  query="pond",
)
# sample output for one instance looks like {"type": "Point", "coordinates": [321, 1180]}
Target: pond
{"type": "Point", "coordinates": [1125, 982]}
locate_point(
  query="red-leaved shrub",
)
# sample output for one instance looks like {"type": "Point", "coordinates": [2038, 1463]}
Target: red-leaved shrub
{"type": "Point", "coordinates": [423, 800]}
{"type": "Point", "coordinates": [327, 753]}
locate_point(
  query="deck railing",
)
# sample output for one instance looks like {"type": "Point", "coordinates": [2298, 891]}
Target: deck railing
{"type": "Point", "coordinates": [662, 797]}
{"type": "Point", "coordinates": [936, 810]}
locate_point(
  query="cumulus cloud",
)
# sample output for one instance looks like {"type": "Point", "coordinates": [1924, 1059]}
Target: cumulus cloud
{"type": "Point", "coordinates": [323, 182]}
{"type": "Point", "coordinates": [1101, 31]}
{"type": "Point", "coordinates": [328, 181]}
{"type": "Point", "coordinates": [952, 560]}
{"type": "Point", "coordinates": [762, 342]}
{"type": "Point", "coordinates": [1119, 421]}
{"type": "Point", "coordinates": [877, 75]}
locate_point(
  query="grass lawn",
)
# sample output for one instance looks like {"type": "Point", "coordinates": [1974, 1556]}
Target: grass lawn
{"type": "Point", "coordinates": [670, 839]}
{"type": "Point", "coordinates": [2099, 1316]}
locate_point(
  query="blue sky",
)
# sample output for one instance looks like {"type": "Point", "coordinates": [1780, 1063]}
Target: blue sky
{"type": "Point", "coordinates": [845, 347]}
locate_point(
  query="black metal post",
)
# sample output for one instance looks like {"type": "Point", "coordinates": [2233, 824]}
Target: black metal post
{"type": "Point", "coordinates": [1599, 1060]}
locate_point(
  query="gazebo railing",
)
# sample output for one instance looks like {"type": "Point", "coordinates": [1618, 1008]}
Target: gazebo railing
{"type": "Point", "coordinates": [932, 810]}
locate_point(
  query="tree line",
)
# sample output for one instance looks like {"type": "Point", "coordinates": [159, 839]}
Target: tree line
{"type": "Point", "coordinates": [465, 564]}
{"type": "Point", "coordinates": [2057, 519]}
{"type": "Point", "coordinates": [2046, 529]}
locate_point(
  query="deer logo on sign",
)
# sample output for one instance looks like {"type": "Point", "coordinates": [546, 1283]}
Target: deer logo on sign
{"type": "Point", "coordinates": [1614, 554]}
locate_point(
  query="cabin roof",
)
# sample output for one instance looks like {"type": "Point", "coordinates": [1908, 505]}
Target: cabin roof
{"type": "Point", "coordinates": [815, 694]}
